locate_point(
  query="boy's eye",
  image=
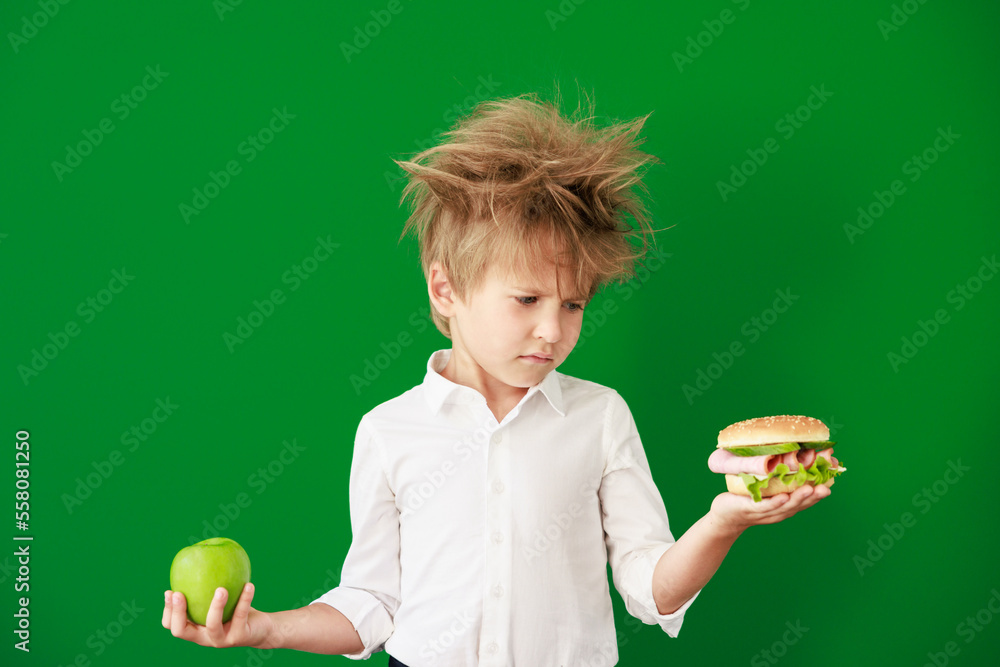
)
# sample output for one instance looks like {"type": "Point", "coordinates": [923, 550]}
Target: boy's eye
{"type": "Point", "coordinates": [523, 300]}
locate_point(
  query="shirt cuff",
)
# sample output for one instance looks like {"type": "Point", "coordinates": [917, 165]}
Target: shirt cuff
{"type": "Point", "coordinates": [669, 623]}
{"type": "Point", "coordinates": [368, 616]}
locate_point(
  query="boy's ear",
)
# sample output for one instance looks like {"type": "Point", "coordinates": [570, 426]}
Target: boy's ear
{"type": "Point", "coordinates": [439, 289]}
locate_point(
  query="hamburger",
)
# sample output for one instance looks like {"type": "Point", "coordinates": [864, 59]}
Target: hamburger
{"type": "Point", "coordinates": [770, 455]}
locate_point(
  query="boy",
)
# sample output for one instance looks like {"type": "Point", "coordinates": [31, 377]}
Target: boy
{"type": "Point", "coordinates": [487, 501]}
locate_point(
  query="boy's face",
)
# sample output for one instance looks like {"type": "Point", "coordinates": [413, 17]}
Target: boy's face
{"type": "Point", "coordinates": [496, 329]}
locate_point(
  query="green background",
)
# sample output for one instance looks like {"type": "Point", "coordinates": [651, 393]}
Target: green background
{"type": "Point", "coordinates": [328, 174]}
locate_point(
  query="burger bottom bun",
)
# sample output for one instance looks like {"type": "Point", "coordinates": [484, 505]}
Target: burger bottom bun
{"type": "Point", "coordinates": [736, 485]}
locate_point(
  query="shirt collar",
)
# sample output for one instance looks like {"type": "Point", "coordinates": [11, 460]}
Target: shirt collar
{"type": "Point", "coordinates": [440, 390]}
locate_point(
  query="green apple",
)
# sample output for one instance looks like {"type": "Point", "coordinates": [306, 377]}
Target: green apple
{"type": "Point", "coordinates": [201, 568]}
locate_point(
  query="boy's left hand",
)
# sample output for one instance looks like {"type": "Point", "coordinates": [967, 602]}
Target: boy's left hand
{"type": "Point", "coordinates": [738, 513]}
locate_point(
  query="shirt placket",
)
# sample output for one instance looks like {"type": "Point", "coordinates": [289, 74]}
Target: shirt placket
{"type": "Point", "coordinates": [494, 642]}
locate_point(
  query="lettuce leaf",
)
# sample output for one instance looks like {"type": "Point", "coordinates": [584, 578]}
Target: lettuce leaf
{"type": "Point", "coordinates": [818, 473]}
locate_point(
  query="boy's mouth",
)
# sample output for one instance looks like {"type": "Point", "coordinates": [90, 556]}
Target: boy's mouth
{"type": "Point", "coordinates": [537, 359]}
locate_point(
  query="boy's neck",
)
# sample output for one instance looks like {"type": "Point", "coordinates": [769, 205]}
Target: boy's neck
{"type": "Point", "coordinates": [501, 398]}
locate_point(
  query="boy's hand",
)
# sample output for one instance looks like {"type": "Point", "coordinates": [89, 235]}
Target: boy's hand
{"type": "Point", "coordinates": [248, 627]}
{"type": "Point", "coordinates": [737, 513]}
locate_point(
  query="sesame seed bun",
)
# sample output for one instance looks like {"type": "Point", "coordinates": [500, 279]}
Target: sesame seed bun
{"type": "Point", "coordinates": [773, 430]}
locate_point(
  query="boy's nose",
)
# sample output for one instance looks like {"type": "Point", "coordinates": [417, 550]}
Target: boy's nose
{"type": "Point", "coordinates": [549, 329]}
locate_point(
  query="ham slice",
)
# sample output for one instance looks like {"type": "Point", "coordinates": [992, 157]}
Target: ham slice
{"type": "Point", "coordinates": [828, 455]}
{"type": "Point", "coordinates": [806, 457]}
{"type": "Point", "coordinates": [726, 463]}
{"type": "Point", "coordinates": [791, 460]}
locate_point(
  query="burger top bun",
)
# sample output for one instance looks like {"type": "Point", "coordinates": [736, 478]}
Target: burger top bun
{"type": "Point", "coordinates": [772, 430]}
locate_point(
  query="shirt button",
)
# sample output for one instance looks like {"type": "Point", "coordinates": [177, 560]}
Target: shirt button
{"type": "Point", "coordinates": [492, 648]}
{"type": "Point", "coordinates": [498, 537]}
{"type": "Point", "coordinates": [498, 486]}
{"type": "Point", "coordinates": [498, 591]}
{"type": "Point", "coordinates": [497, 438]}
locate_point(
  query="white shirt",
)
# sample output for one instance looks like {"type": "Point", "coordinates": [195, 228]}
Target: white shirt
{"type": "Point", "coordinates": [485, 543]}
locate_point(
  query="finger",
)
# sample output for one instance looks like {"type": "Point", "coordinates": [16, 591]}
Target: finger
{"type": "Point", "coordinates": [800, 496]}
{"type": "Point", "coordinates": [178, 618]}
{"type": "Point", "coordinates": [780, 506]}
{"type": "Point", "coordinates": [166, 609]}
{"type": "Point", "coordinates": [807, 502]}
{"type": "Point", "coordinates": [213, 620]}
{"type": "Point", "coordinates": [772, 503]}
{"type": "Point", "coordinates": [242, 610]}
{"type": "Point", "coordinates": [819, 494]}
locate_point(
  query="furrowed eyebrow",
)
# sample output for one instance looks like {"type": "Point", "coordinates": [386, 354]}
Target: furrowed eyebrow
{"type": "Point", "coordinates": [535, 290]}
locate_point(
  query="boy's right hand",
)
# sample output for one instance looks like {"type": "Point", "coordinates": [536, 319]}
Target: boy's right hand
{"type": "Point", "coordinates": [248, 627]}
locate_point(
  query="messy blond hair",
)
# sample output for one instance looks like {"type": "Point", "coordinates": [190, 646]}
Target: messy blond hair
{"type": "Point", "coordinates": [516, 181]}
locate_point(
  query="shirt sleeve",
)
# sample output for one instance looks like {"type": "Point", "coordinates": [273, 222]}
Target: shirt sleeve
{"type": "Point", "coordinates": [368, 593]}
{"type": "Point", "coordinates": [636, 529]}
